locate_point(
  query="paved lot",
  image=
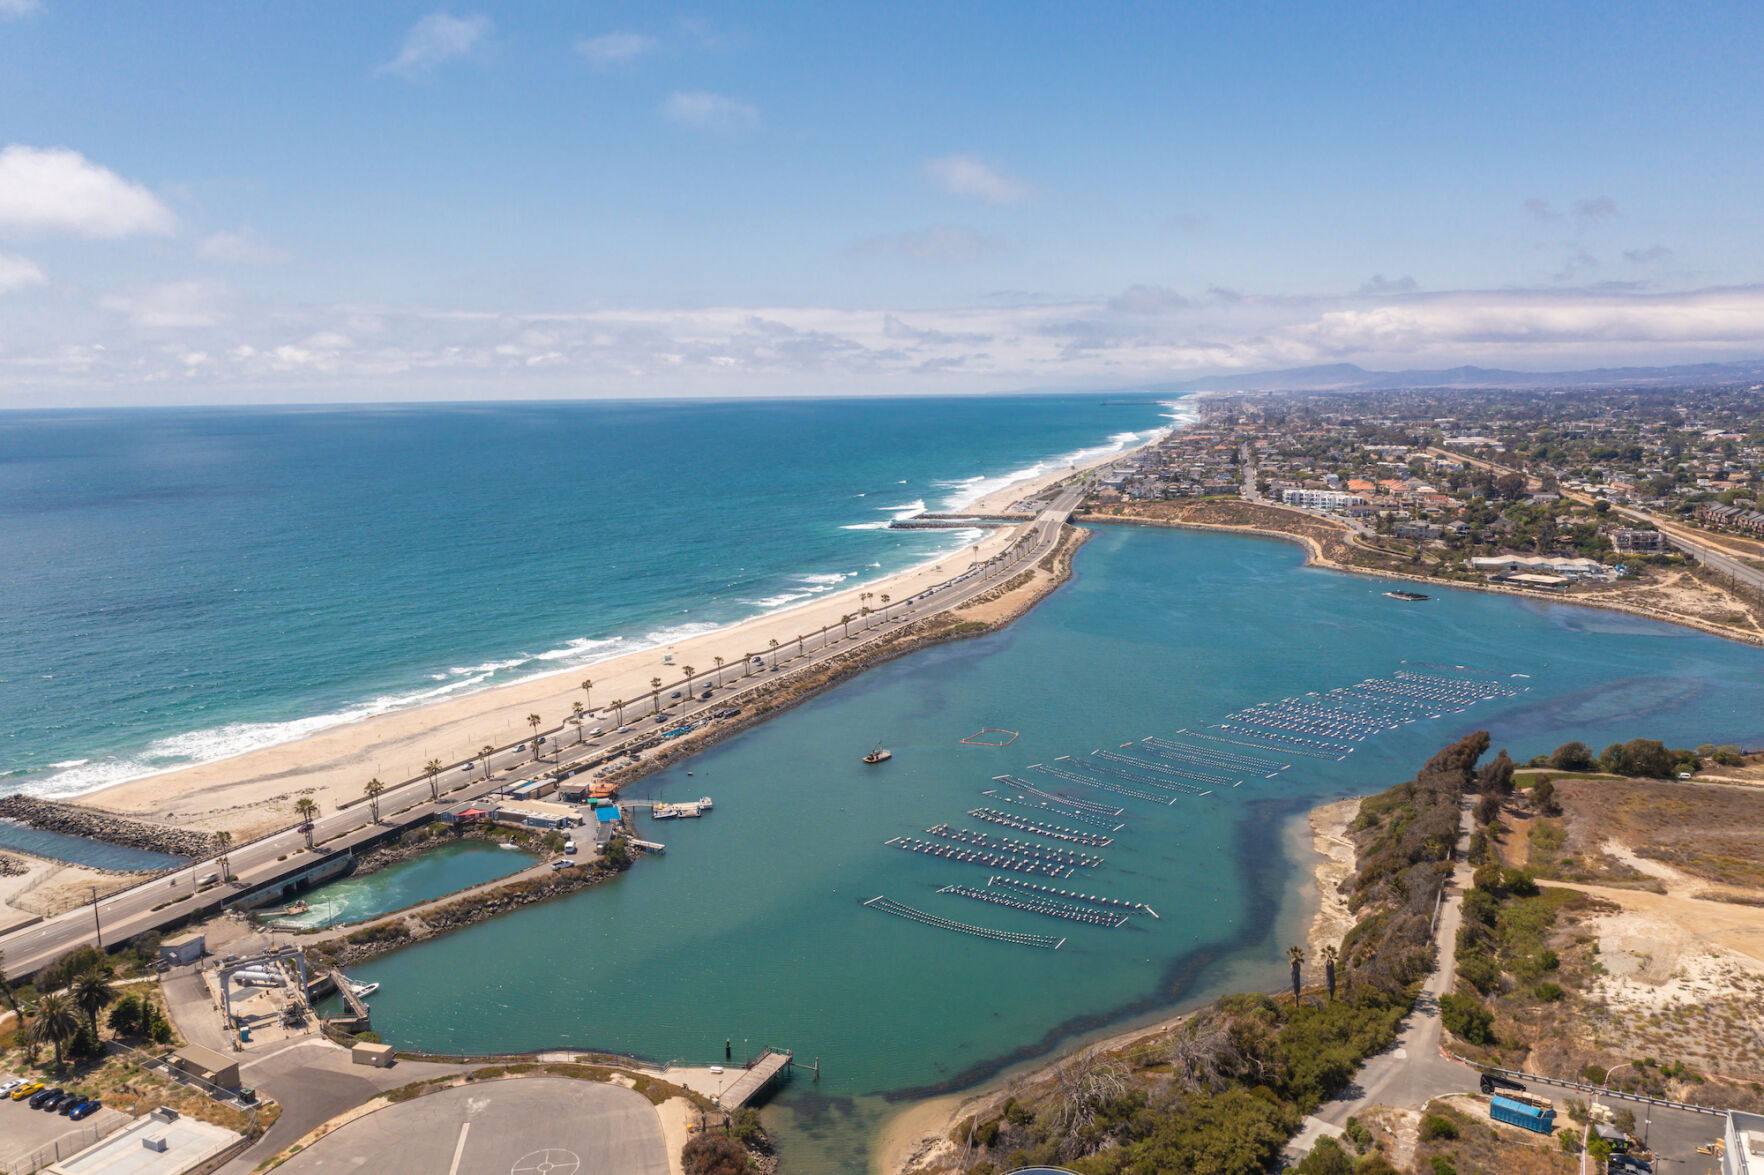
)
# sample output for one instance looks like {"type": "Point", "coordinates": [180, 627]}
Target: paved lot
{"type": "Point", "coordinates": [529, 1126]}
{"type": "Point", "coordinates": [23, 1129]}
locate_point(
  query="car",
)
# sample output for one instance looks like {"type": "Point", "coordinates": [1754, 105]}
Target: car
{"type": "Point", "coordinates": [597, 732]}
{"type": "Point", "coordinates": [307, 827]}
{"type": "Point", "coordinates": [26, 1090]}
{"type": "Point", "coordinates": [6, 1087]}
{"type": "Point", "coordinates": [42, 1097]}
{"type": "Point", "coordinates": [70, 1103]}
{"type": "Point", "coordinates": [624, 730]}
{"type": "Point", "coordinates": [675, 694]}
{"type": "Point", "coordinates": [705, 696]}
{"type": "Point", "coordinates": [468, 767]}
{"type": "Point", "coordinates": [522, 747]}
{"type": "Point", "coordinates": [540, 741]}
{"type": "Point", "coordinates": [59, 1100]}
{"type": "Point", "coordinates": [1622, 1162]}
{"type": "Point", "coordinates": [86, 1109]}
{"type": "Point", "coordinates": [562, 864]}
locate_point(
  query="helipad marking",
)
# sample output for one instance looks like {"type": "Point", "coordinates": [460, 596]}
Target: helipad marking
{"type": "Point", "coordinates": [551, 1161]}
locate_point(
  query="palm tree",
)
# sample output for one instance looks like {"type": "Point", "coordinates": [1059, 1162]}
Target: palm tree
{"type": "Point", "coordinates": [56, 1022]}
{"type": "Point", "coordinates": [578, 711]}
{"type": "Point", "coordinates": [747, 664]}
{"type": "Point", "coordinates": [799, 644]}
{"type": "Point", "coordinates": [863, 600]}
{"type": "Point", "coordinates": [222, 840]}
{"type": "Point", "coordinates": [846, 622]}
{"type": "Point", "coordinates": [824, 629]}
{"type": "Point", "coordinates": [774, 652]}
{"type": "Point", "coordinates": [373, 789]}
{"type": "Point", "coordinates": [92, 989]}
{"type": "Point", "coordinates": [486, 752]}
{"type": "Point", "coordinates": [690, 672]}
{"type": "Point", "coordinates": [1295, 956]}
{"type": "Point", "coordinates": [655, 695]}
{"type": "Point", "coordinates": [865, 613]}
{"type": "Point", "coordinates": [433, 770]}
{"type": "Point", "coordinates": [587, 684]}
{"type": "Point", "coordinates": [719, 662]}
{"type": "Point", "coordinates": [6, 989]}
{"type": "Point", "coordinates": [307, 809]}
{"type": "Point", "coordinates": [534, 720]}
{"type": "Point", "coordinates": [1329, 957]}
{"type": "Point", "coordinates": [619, 705]}
{"type": "Point", "coordinates": [885, 602]}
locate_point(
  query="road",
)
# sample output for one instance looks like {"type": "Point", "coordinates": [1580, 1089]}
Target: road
{"type": "Point", "coordinates": [144, 907]}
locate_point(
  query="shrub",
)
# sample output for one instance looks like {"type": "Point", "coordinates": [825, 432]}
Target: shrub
{"type": "Point", "coordinates": [713, 1153]}
{"type": "Point", "coordinates": [1443, 1166]}
{"type": "Point", "coordinates": [1572, 757]}
{"type": "Point", "coordinates": [1549, 993]}
{"type": "Point", "coordinates": [745, 1127]}
{"type": "Point", "coordinates": [1356, 1130]}
{"type": "Point", "coordinates": [1326, 1158]}
{"type": "Point", "coordinates": [1433, 1126]}
{"type": "Point", "coordinates": [1479, 971]}
{"type": "Point", "coordinates": [1467, 1019]}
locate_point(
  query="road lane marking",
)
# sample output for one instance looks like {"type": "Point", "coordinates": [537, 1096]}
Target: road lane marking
{"type": "Point", "coordinates": [459, 1149]}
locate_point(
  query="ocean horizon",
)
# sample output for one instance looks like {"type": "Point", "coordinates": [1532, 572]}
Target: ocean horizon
{"type": "Point", "coordinates": [191, 584]}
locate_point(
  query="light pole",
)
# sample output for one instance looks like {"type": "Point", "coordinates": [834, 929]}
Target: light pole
{"type": "Point", "coordinates": [97, 930]}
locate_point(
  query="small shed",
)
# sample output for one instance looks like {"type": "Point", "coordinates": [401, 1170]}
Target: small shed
{"type": "Point", "coordinates": [214, 1068]}
{"type": "Point", "coordinates": [179, 951]}
{"type": "Point", "coordinates": [606, 823]}
{"type": "Point", "coordinates": [366, 1053]}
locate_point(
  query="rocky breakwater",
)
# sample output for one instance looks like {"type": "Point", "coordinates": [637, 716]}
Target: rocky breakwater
{"type": "Point", "coordinates": [72, 820]}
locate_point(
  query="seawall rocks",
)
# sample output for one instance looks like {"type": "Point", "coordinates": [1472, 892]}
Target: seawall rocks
{"type": "Point", "coordinates": [71, 820]}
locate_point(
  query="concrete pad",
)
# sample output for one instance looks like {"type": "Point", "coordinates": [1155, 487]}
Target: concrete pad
{"type": "Point", "coordinates": [521, 1126]}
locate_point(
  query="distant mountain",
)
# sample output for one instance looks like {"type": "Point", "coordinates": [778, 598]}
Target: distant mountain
{"type": "Point", "coordinates": [1347, 377]}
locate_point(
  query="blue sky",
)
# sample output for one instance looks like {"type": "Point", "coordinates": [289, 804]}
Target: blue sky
{"type": "Point", "coordinates": [222, 202]}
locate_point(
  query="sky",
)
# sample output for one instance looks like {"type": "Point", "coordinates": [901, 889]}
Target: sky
{"type": "Point", "coordinates": [244, 203]}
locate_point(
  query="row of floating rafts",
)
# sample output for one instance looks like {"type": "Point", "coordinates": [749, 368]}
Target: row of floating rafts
{"type": "Point", "coordinates": [1101, 784]}
{"type": "Point", "coordinates": [913, 844]}
{"type": "Point", "coordinates": [1236, 742]}
{"type": "Point", "coordinates": [1050, 909]}
{"type": "Point", "coordinates": [1139, 777]}
{"type": "Point", "coordinates": [1056, 805]}
{"type": "Point", "coordinates": [1049, 891]}
{"type": "Point", "coordinates": [1075, 805]}
{"type": "Point", "coordinates": [1165, 748]}
{"type": "Point", "coordinates": [888, 905]}
{"type": "Point", "coordinates": [1157, 770]}
{"type": "Point", "coordinates": [1016, 848]}
{"type": "Point", "coordinates": [1051, 831]}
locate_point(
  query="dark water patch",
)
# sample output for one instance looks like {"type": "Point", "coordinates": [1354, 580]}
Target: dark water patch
{"type": "Point", "coordinates": [77, 850]}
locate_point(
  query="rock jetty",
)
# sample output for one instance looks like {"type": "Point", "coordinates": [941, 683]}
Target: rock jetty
{"type": "Point", "coordinates": [72, 820]}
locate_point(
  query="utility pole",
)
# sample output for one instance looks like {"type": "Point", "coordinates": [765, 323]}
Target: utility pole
{"type": "Point", "coordinates": [96, 928]}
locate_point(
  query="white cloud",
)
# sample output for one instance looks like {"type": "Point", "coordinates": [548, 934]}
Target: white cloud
{"type": "Point", "coordinates": [964, 175]}
{"type": "Point", "coordinates": [436, 39]}
{"type": "Point", "coordinates": [18, 9]}
{"type": "Point", "coordinates": [55, 190]}
{"type": "Point", "coordinates": [940, 242]}
{"type": "Point", "coordinates": [1144, 299]}
{"type": "Point", "coordinates": [616, 48]}
{"type": "Point", "coordinates": [18, 272]}
{"type": "Point", "coordinates": [174, 305]}
{"type": "Point", "coordinates": [707, 111]}
{"type": "Point", "coordinates": [243, 247]}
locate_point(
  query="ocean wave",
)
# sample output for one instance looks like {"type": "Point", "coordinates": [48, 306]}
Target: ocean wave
{"type": "Point", "coordinates": [771, 602]}
{"type": "Point", "coordinates": [489, 666]}
{"type": "Point", "coordinates": [680, 632]}
{"type": "Point", "coordinates": [865, 526]}
{"type": "Point", "coordinates": [826, 581]}
{"type": "Point", "coordinates": [902, 513]}
{"type": "Point", "coordinates": [580, 647]}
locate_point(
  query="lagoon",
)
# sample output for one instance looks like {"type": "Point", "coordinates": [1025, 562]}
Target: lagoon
{"type": "Point", "coordinates": [439, 871]}
{"type": "Point", "coordinates": [752, 926]}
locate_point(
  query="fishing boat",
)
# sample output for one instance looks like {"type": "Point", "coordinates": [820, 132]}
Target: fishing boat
{"type": "Point", "coordinates": [1407, 596]}
{"type": "Point", "coordinates": [878, 754]}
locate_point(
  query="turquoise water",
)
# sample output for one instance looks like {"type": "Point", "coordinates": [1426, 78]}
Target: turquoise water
{"type": "Point", "coordinates": [181, 585]}
{"type": "Point", "coordinates": [80, 851]}
{"type": "Point", "coordinates": [440, 871]}
{"type": "Point", "coordinates": [751, 926]}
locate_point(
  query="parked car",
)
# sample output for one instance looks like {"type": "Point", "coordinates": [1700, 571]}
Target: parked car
{"type": "Point", "coordinates": [7, 1086]}
{"type": "Point", "coordinates": [86, 1109]}
{"type": "Point", "coordinates": [70, 1103]}
{"type": "Point", "coordinates": [42, 1096]}
{"type": "Point", "coordinates": [26, 1090]}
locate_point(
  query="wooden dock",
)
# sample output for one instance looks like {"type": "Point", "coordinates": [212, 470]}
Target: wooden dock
{"type": "Point", "coordinates": [760, 1073]}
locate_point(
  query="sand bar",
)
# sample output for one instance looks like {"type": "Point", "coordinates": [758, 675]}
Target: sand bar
{"type": "Point", "coordinates": [254, 792]}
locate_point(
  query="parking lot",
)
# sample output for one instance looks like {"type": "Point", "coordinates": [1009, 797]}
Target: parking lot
{"type": "Point", "coordinates": [24, 1130]}
{"type": "Point", "coordinates": [528, 1126]}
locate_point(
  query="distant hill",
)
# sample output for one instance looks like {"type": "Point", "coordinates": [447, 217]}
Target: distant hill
{"type": "Point", "coordinates": [1348, 377]}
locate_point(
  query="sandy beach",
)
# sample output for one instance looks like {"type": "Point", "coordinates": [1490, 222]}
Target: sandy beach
{"type": "Point", "coordinates": [254, 793]}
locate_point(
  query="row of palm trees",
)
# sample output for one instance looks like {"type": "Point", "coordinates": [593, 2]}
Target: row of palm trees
{"type": "Point", "coordinates": [57, 1018]}
{"type": "Point", "coordinates": [1296, 956]}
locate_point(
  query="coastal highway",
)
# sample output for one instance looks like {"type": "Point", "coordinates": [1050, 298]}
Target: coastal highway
{"type": "Point", "coordinates": [143, 908]}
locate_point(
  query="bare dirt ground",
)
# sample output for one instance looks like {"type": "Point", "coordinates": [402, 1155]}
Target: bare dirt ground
{"type": "Point", "coordinates": [1714, 834]}
{"type": "Point", "coordinates": [51, 887]}
{"type": "Point", "coordinates": [1329, 825]}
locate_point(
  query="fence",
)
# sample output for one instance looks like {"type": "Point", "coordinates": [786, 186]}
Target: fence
{"type": "Point", "coordinates": [1597, 1090]}
{"type": "Point", "coordinates": [102, 1125]}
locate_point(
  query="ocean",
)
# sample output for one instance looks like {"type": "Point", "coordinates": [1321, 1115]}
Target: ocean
{"type": "Point", "coordinates": [182, 585]}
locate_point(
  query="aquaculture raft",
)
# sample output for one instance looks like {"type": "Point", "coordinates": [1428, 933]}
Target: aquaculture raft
{"type": "Point", "coordinates": [888, 905]}
{"type": "Point", "coordinates": [1035, 905]}
{"type": "Point", "coordinates": [1037, 865]}
{"type": "Point", "coordinates": [1094, 840]}
{"type": "Point", "coordinates": [1093, 899]}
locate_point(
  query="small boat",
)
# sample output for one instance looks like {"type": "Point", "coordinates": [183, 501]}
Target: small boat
{"type": "Point", "coordinates": [1407, 596]}
{"type": "Point", "coordinates": [506, 845]}
{"type": "Point", "coordinates": [878, 755]}
{"type": "Point", "coordinates": [363, 990]}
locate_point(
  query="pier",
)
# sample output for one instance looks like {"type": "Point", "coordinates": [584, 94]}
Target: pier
{"type": "Point", "coordinates": [758, 1075]}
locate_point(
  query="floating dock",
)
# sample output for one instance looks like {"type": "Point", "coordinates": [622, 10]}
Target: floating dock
{"type": "Point", "coordinates": [1035, 905]}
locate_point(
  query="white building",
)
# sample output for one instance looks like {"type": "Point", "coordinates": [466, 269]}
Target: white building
{"type": "Point", "coordinates": [1322, 499]}
{"type": "Point", "coordinates": [1576, 568]}
{"type": "Point", "coordinates": [1744, 1152]}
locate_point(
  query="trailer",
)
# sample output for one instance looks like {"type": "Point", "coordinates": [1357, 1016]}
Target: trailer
{"type": "Point", "coordinates": [1514, 1113]}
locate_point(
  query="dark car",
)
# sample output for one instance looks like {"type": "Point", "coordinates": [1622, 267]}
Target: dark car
{"type": "Point", "coordinates": [42, 1096]}
{"type": "Point", "coordinates": [1622, 1162]}
{"type": "Point", "coordinates": [86, 1109]}
{"type": "Point", "coordinates": [70, 1103]}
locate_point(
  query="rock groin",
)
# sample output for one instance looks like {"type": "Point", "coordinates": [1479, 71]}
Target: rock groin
{"type": "Point", "coordinates": [72, 820]}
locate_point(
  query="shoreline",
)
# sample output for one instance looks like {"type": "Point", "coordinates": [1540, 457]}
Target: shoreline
{"type": "Point", "coordinates": [1315, 557]}
{"type": "Point", "coordinates": [253, 792]}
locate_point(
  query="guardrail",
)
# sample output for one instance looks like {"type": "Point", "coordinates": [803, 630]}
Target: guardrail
{"type": "Point", "coordinates": [1598, 1090]}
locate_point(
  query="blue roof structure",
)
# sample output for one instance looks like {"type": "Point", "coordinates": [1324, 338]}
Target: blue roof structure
{"type": "Point", "coordinates": [607, 815]}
